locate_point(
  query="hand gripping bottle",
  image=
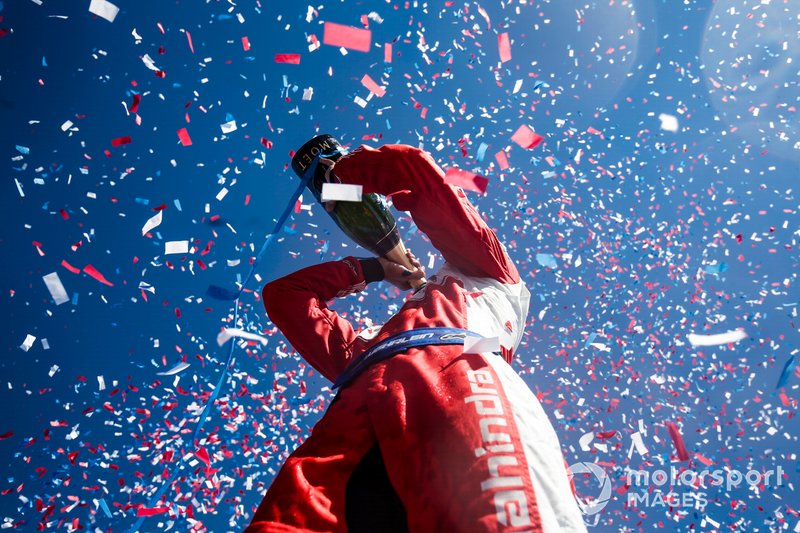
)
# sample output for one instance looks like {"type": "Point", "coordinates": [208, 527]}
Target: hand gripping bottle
{"type": "Point", "coordinates": [368, 222]}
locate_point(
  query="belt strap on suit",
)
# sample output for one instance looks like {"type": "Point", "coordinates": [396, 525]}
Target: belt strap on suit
{"type": "Point", "coordinates": [401, 342]}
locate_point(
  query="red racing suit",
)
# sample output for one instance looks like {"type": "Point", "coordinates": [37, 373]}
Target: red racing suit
{"type": "Point", "coordinates": [432, 439]}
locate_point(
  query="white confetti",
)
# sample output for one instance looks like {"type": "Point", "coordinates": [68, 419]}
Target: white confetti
{"type": "Point", "coordinates": [149, 63]}
{"type": "Point", "coordinates": [27, 343]}
{"type": "Point", "coordinates": [228, 127]}
{"type": "Point", "coordinates": [66, 125]}
{"type": "Point", "coordinates": [226, 334]}
{"type": "Point", "coordinates": [585, 441]}
{"type": "Point", "coordinates": [176, 247]}
{"type": "Point", "coordinates": [637, 444]}
{"type": "Point", "coordinates": [668, 122]}
{"type": "Point", "coordinates": [56, 288]}
{"type": "Point", "coordinates": [152, 222]}
{"type": "Point", "coordinates": [715, 340]}
{"type": "Point", "coordinates": [104, 9]}
{"type": "Point", "coordinates": [101, 383]}
{"type": "Point", "coordinates": [174, 370]}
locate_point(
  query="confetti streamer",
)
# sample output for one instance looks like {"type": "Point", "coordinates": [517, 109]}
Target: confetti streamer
{"type": "Point", "coordinates": [788, 368]}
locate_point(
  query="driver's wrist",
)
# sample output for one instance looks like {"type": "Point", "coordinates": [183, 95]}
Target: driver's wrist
{"type": "Point", "coordinates": [372, 269]}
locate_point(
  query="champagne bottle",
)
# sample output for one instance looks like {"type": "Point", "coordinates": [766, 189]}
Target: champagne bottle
{"type": "Point", "coordinates": [368, 222]}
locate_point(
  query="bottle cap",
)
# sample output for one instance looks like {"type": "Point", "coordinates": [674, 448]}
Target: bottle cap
{"type": "Point", "coordinates": [323, 145]}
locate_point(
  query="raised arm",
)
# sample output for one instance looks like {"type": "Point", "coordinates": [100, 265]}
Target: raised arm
{"type": "Point", "coordinates": [296, 305]}
{"type": "Point", "coordinates": [441, 211]}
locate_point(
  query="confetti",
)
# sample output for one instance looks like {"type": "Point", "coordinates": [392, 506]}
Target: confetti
{"type": "Point", "coordinates": [660, 211]}
{"type": "Point", "coordinates": [183, 135]}
{"type": "Point", "coordinates": [104, 9]}
{"type": "Point", "coordinates": [56, 288]}
{"type": "Point", "coordinates": [347, 37]}
{"type": "Point", "coordinates": [89, 269]}
{"type": "Point", "coordinates": [677, 441]}
{"type": "Point", "coordinates": [27, 344]}
{"type": "Point", "coordinates": [176, 247]}
{"type": "Point", "coordinates": [668, 122]}
{"type": "Point", "coordinates": [547, 260]}
{"type": "Point", "coordinates": [504, 47]}
{"type": "Point", "coordinates": [153, 222]}
{"type": "Point", "coordinates": [180, 367]}
{"type": "Point", "coordinates": [228, 333]}
{"type": "Point", "coordinates": [717, 339]}
{"type": "Point", "coordinates": [373, 87]}
{"type": "Point", "coordinates": [291, 59]}
{"type": "Point", "coordinates": [526, 137]}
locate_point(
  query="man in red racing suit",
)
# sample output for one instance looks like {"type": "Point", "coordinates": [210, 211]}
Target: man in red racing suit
{"type": "Point", "coordinates": [437, 438]}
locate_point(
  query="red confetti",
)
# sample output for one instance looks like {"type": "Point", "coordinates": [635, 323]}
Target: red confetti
{"type": "Point", "coordinates": [147, 511]}
{"type": "Point", "coordinates": [347, 36]}
{"type": "Point", "coordinates": [466, 180]}
{"type": "Point", "coordinates": [6, 435]}
{"type": "Point", "coordinates": [183, 135]}
{"type": "Point", "coordinates": [677, 440]}
{"type": "Point", "coordinates": [137, 98]}
{"type": "Point", "coordinates": [373, 87]}
{"type": "Point", "coordinates": [504, 47]}
{"type": "Point", "coordinates": [245, 43]}
{"type": "Point", "coordinates": [526, 137]}
{"type": "Point", "coordinates": [119, 141]}
{"type": "Point", "coordinates": [202, 454]}
{"type": "Point", "coordinates": [292, 59]}
{"type": "Point", "coordinates": [70, 267]}
{"type": "Point", "coordinates": [502, 159]}
{"type": "Point", "coordinates": [89, 269]}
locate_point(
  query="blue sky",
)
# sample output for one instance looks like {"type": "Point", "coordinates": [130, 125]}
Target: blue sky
{"type": "Point", "coordinates": [660, 204]}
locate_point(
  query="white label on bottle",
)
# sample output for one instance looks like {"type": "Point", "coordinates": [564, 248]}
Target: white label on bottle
{"type": "Point", "coordinates": [341, 192]}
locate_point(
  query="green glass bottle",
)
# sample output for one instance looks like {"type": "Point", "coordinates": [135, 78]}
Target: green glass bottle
{"type": "Point", "coordinates": [369, 222]}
